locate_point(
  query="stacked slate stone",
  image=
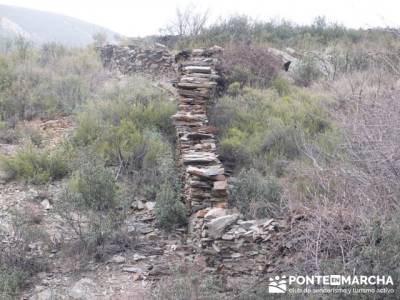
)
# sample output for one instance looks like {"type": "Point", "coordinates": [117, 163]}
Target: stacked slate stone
{"type": "Point", "coordinates": [205, 184]}
{"type": "Point", "coordinates": [133, 59]}
{"type": "Point", "coordinates": [241, 246]}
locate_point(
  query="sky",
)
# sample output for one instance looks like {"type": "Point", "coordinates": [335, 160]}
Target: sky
{"type": "Point", "coordinates": [146, 17]}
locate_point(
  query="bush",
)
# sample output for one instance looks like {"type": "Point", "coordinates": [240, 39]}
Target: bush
{"type": "Point", "coordinates": [34, 165]}
{"type": "Point", "coordinates": [169, 210]}
{"type": "Point", "coordinates": [17, 262]}
{"type": "Point", "coordinates": [254, 195]}
{"type": "Point", "coordinates": [259, 126]}
{"type": "Point", "coordinates": [90, 203]}
{"type": "Point", "coordinates": [11, 282]}
{"type": "Point", "coordinates": [242, 29]}
{"type": "Point", "coordinates": [8, 135]}
{"type": "Point", "coordinates": [281, 85]}
{"type": "Point", "coordinates": [130, 129]}
{"type": "Point", "coordinates": [380, 254]}
{"type": "Point", "coordinates": [306, 71]}
{"type": "Point", "coordinates": [233, 89]}
{"type": "Point", "coordinates": [187, 282]}
{"type": "Point", "coordinates": [249, 65]}
{"type": "Point", "coordinates": [46, 83]}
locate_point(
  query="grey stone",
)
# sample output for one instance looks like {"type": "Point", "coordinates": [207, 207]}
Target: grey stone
{"type": "Point", "coordinates": [150, 205]}
{"type": "Point", "coordinates": [83, 289]}
{"type": "Point", "coordinates": [236, 255]}
{"type": "Point", "coordinates": [46, 204]}
{"type": "Point", "coordinates": [217, 227]}
{"type": "Point", "coordinates": [118, 259]}
{"type": "Point", "coordinates": [247, 224]}
{"type": "Point", "coordinates": [132, 270]}
{"type": "Point", "coordinates": [215, 213]}
{"type": "Point", "coordinates": [228, 237]}
{"type": "Point", "coordinates": [138, 204]}
{"type": "Point", "coordinates": [137, 257]}
{"type": "Point", "coordinates": [42, 293]}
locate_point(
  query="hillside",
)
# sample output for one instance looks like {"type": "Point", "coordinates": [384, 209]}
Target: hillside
{"type": "Point", "coordinates": [266, 163]}
{"type": "Point", "coordinates": [42, 27]}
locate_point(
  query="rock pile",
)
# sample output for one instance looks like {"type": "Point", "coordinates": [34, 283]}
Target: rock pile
{"type": "Point", "coordinates": [205, 184]}
{"type": "Point", "coordinates": [132, 59]}
{"type": "Point", "coordinates": [227, 239]}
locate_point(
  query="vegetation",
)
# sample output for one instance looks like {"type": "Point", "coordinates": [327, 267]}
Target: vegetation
{"type": "Point", "coordinates": [34, 165]}
{"type": "Point", "coordinates": [91, 205]}
{"type": "Point", "coordinates": [169, 210]}
{"type": "Point", "coordinates": [254, 195]}
{"type": "Point", "coordinates": [249, 65]}
{"type": "Point", "coordinates": [317, 145]}
{"type": "Point", "coordinates": [129, 128]}
{"type": "Point", "coordinates": [187, 283]}
{"type": "Point", "coordinates": [45, 82]}
{"type": "Point", "coordinates": [259, 127]}
{"type": "Point", "coordinates": [17, 264]}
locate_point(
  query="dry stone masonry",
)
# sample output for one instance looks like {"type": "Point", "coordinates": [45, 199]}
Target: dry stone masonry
{"type": "Point", "coordinates": [205, 184]}
{"type": "Point", "coordinates": [238, 246]}
{"type": "Point", "coordinates": [222, 235]}
{"type": "Point", "coordinates": [132, 59]}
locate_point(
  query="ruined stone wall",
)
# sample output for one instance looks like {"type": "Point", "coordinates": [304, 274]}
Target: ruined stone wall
{"type": "Point", "coordinates": [205, 184]}
{"type": "Point", "coordinates": [157, 61]}
{"type": "Point", "coordinates": [222, 235]}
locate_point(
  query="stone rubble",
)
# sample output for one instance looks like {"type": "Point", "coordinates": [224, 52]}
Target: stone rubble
{"type": "Point", "coordinates": [227, 239]}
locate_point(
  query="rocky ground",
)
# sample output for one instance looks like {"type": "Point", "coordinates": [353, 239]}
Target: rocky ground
{"type": "Point", "coordinates": [123, 273]}
{"type": "Point", "coordinates": [121, 276]}
{"type": "Point", "coordinates": [235, 250]}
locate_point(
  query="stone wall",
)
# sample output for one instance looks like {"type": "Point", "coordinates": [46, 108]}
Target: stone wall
{"type": "Point", "coordinates": [157, 61]}
{"type": "Point", "coordinates": [222, 235]}
{"type": "Point", "coordinates": [205, 184]}
{"type": "Point", "coordinates": [228, 240]}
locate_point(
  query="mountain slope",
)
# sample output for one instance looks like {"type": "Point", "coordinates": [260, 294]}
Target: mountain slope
{"type": "Point", "coordinates": [42, 27]}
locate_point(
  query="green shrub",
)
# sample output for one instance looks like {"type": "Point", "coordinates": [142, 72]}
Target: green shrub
{"type": "Point", "coordinates": [187, 282]}
{"type": "Point", "coordinates": [11, 282]}
{"type": "Point", "coordinates": [254, 195]}
{"type": "Point", "coordinates": [281, 85]}
{"type": "Point", "coordinates": [306, 71]}
{"type": "Point", "coordinates": [234, 89]}
{"type": "Point", "coordinates": [95, 186]}
{"type": "Point", "coordinates": [169, 210]}
{"type": "Point", "coordinates": [90, 203]}
{"type": "Point", "coordinates": [34, 165]}
{"type": "Point", "coordinates": [259, 126]}
{"type": "Point", "coordinates": [249, 65]}
{"type": "Point", "coordinates": [379, 255]}
{"type": "Point", "coordinates": [17, 262]}
{"type": "Point", "coordinates": [46, 83]}
{"type": "Point", "coordinates": [32, 135]}
{"type": "Point", "coordinates": [129, 129]}
{"type": "Point", "coordinates": [8, 135]}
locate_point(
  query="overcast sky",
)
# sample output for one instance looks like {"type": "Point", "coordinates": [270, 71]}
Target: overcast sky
{"type": "Point", "coordinates": [144, 17]}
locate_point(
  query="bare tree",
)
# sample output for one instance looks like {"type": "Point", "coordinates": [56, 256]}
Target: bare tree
{"type": "Point", "coordinates": [188, 21]}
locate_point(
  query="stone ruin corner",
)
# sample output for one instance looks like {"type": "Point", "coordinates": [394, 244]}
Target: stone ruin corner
{"type": "Point", "coordinates": [221, 234]}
